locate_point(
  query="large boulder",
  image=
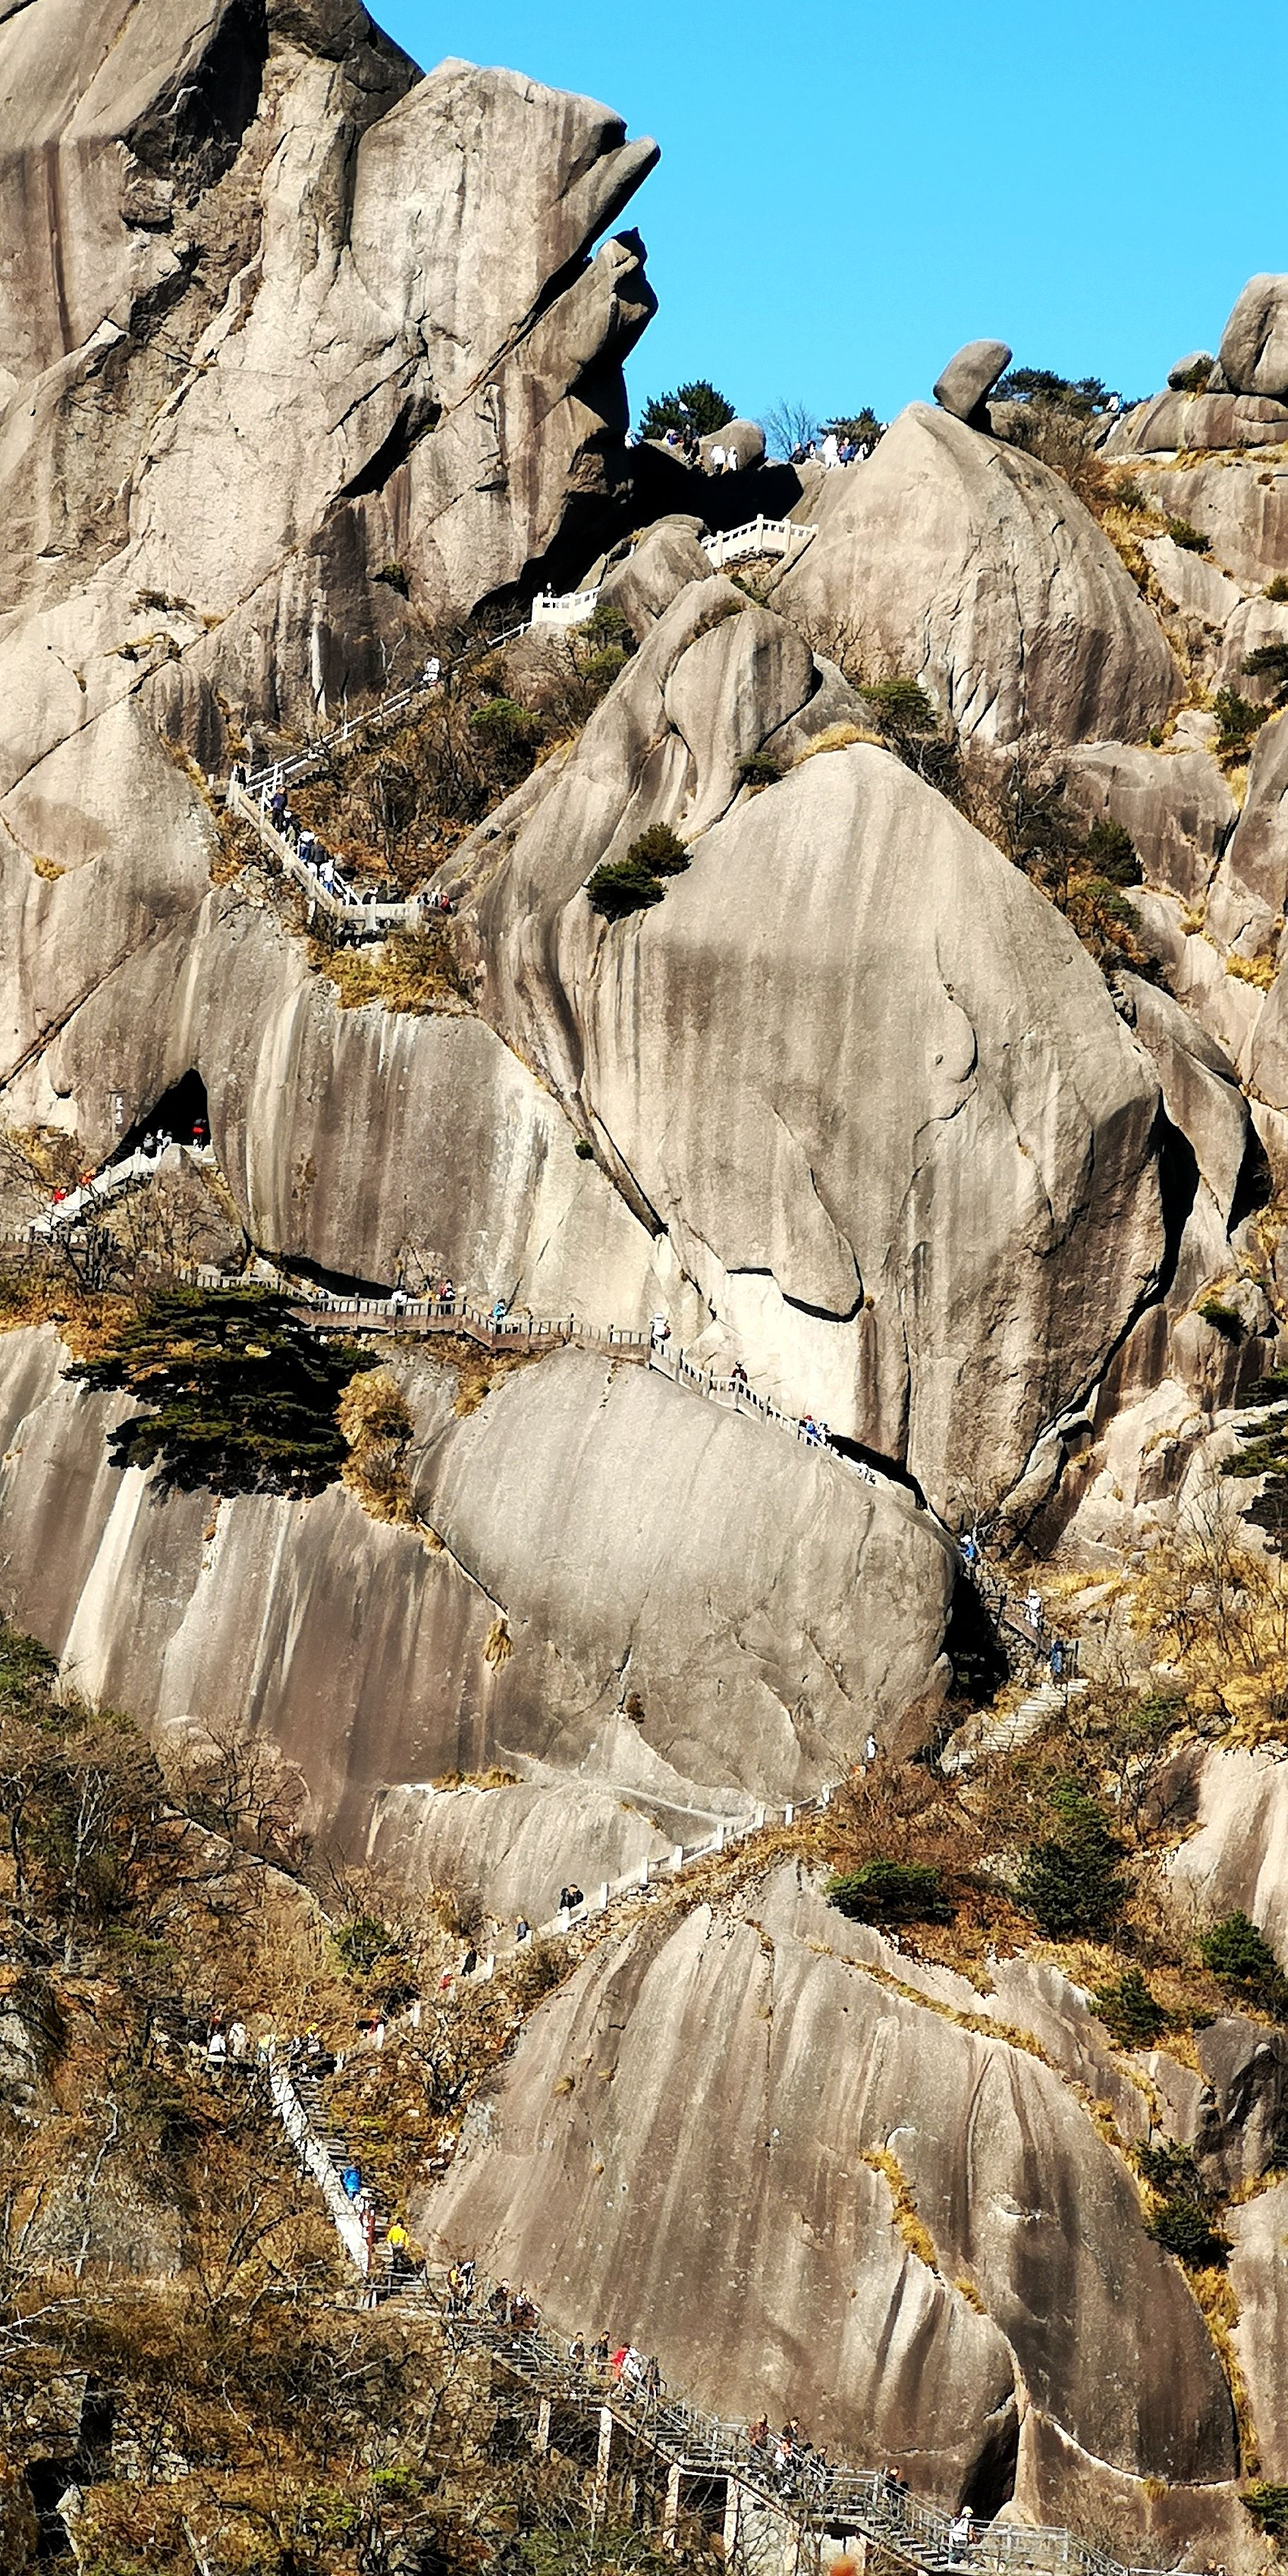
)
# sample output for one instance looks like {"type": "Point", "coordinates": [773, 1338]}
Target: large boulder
{"type": "Point", "coordinates": [1254, 343]}
{"type": "Point", "coordinates": [1183, 420]}
{"type": "Point", "coordinates": [971, 567]}
{"type": "Point", "coordinates": [667, 558]}
{"type": "Point", "coordinates": [969, 378]}
{"type": "Point", "coordinates": [696, 2142]}
{"type": "Point", "coordinates": [855, 1067]}
{"type": "Point", "coordinates": [599, 1536]}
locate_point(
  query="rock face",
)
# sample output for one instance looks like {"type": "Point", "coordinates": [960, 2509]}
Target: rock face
{"type": "Point", "coordinates": [971, 567]}
{"type": "Point", "coordinates": [758, 1634]}
{"type": "Point", "coordinates": [1175, 805]}
{"type": "Point", "coordinates": [342, 371]}
{"type": "Point", "coordinates": [969, 378]}
{"type": "Point", "coordinates": [714, 1047]}
{"type": "Point", "coordinates": [1191, 371]}
{"type": "Point", "coordinates": [1180, 420]}
{"type": "Point", "coordinates": [1254, 343]}
{"type": "Point", "coordinates": [679, 2148]}
{"type": "Point", "coordinates": [663, 564]}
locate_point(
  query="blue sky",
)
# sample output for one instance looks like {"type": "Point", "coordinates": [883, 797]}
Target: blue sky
{"type": "Point", "coordinates": [848, 193]}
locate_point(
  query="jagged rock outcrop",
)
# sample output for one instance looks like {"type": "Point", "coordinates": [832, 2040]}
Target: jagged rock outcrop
{"type": "Point", "coordinates": [1252, 884]}
{"type": "Point", "coordinates": [971, 567]}
{"type": "Point", "coordinates": [678, 2149]}
{"type": "Point", "coordinates": [370, 329]}
{"type": "Point", "coordinates": [758, 1632]}
{"type": "Point", "coordinates": [1237, 503]}
{"type": "Point", "coordinates": [1236, 1861]}
{"type": "Point", "coordinates": [827, 947]}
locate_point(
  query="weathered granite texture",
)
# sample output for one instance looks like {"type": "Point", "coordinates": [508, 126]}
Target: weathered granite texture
{"type": "Point", "coordinates": [965, 564]}
{"type": "Point", "coordinates": [678, 2149]}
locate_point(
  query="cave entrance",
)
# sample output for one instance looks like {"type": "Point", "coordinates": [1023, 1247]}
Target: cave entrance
{"type": "Point", "coordinates": [991, 2483]}
{"type": "Point", "coordinates": [182, 1112]}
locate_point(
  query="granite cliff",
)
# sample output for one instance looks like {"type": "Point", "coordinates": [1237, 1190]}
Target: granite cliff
{"type": "Point", "coordinates": [935, 1085]}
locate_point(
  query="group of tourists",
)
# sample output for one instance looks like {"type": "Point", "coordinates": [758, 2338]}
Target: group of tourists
{"type": "Point", "coordinates": [320, 862]}
{"type": "Point", "coordinates": [835, 448]}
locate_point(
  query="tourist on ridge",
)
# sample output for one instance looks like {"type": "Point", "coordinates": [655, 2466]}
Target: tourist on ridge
{"type": "Point", "coordinates": [351, 2181]}
{"type": "Point", "coordinates": [1033, 1606]}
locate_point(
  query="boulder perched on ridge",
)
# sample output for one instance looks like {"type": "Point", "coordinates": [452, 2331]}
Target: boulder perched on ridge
{"type": "Point", "coordinates": [969, 378]}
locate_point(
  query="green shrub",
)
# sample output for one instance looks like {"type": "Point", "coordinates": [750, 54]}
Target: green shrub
{"type": "Point", "coordinates": [616, 888]}
{"type": "Point", "coordinates": [660, 851]}
{"type": "Point", "coordinates": [1268, 2506]}
{"type": "Point", "coordinates": [760, 769]}
{"type": "Point", "coordinates": [1193, 539]}
{"type": "Point", "coordinates": [395, 575]}
{"type": "Point", "coordinates": [510, 731]}
{"type": "Point", "coordinates": [1278, 588]}
{"type": "Point", "coordinates": [236, 1393]}
{"type": "Point", "coordinates": [632, 883]}
{"type": "Point", "coordinates": [1193, 380]}
{"type": "Point", "coordinates": [1081, 395]}
{"type": "Point", "coordinates": [1223, 1319]}
{"type": "Point", "coordinates": [584, 1150]}
{"type": "Point", "coordinates": [1269, 662]}
{"type": "Point", "coordinates": [1239, 1955]}
{"type": "Point", "coordinates": [1111, 852]}
{"type": "Point", "coordinates": [1130, 2013]}
{"type": "Point", "coordinates": [599, 670]}
{"type": "Point", "coordinates": [1187, 2231]}
{"type": "Point", "coordinates": [606, 627]}
{"type": "Point", "coordinates": [362, 1942]}
{"type": "Point", "coordinates": [1171, 2169]}
{"type": "Point", "coordinates": [890, 1891]}
{"type": "Point", "coordinates": [900, 706]}
{"type": "Point", "coordinates": [1128, 496]}
{"type": "Point", "coordinates": [1070, 1881]}
{"type": "Point", "coordinates": [1237, 720]}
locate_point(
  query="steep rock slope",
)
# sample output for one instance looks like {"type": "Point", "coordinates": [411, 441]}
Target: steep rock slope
{"type": "Point", "coordinates": [679, 2147]}
{"type": "Point", "coordinates": [759, 1606]}
{"type": "Point", "coordinates": [859, 1070]}
{"type": "Point", "coordinates": [965, 564]}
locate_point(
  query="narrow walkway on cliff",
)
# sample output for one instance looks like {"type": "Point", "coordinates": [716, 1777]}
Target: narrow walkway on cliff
{"type": "Point", "coordinates": [674, 2459]}
{"type": "Point", "coordinates": [259, 796]}
{"type": "Point", "coordinates": [496, 1329]}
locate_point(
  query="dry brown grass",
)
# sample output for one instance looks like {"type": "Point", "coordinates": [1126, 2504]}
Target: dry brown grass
{"type": "Point", "coordinates": [376, 1419]}
{"type": "Point", "coordinates": [912, 2227]}
{"type": "Point", "coordinates": [413, 971]}
{"type": "Point", "coordinates": [1219, 2308]}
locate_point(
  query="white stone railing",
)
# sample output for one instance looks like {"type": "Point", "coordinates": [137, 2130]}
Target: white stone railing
{"type": "Point", "coordinates": [572, 608]}
{"type": "Point", "coordinates": [366, 914]}
{"type": "Point", "coordinates": [312, 2154]}
{"type": "Point", "coordinates": [760, 536]}
{"type": "Point", "coordinates": [756, 537]}
{"type": "Point", "coordinates": [110, 1183]}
